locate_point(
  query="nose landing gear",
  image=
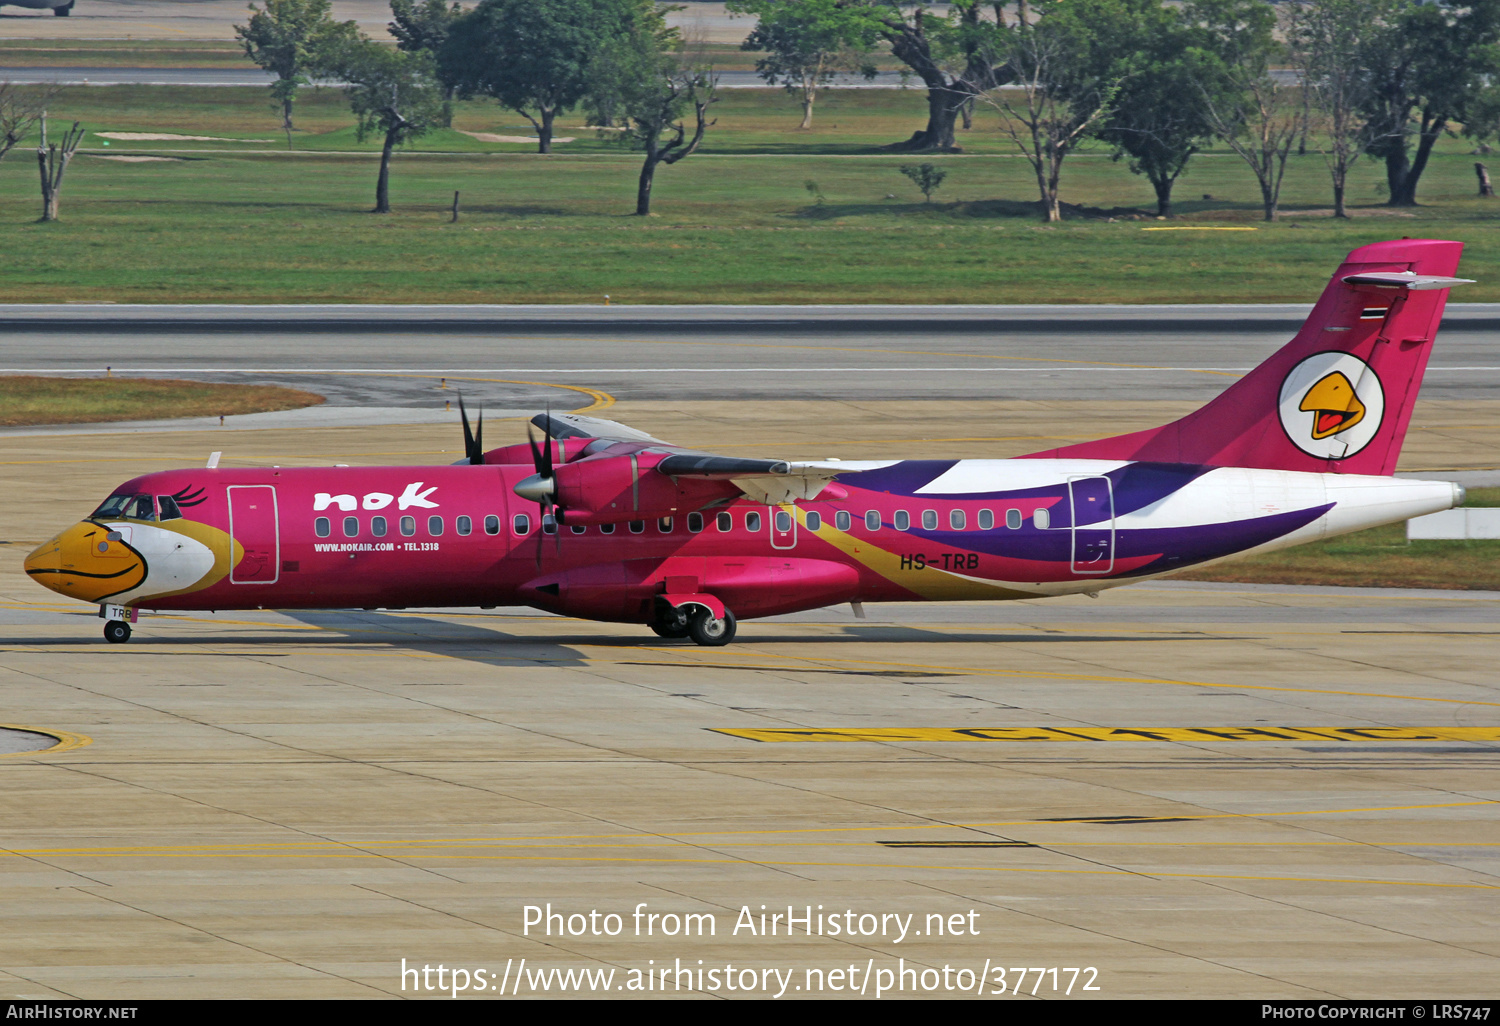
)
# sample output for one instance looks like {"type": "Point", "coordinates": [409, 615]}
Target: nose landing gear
{"type": "Point", "coordinates": [117, 621]}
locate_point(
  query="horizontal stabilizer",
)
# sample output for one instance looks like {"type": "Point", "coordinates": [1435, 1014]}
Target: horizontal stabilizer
{"type": "Point", "coordinates": [1406, 280]}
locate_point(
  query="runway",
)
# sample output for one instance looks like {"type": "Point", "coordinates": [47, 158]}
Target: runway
{"type": "Point", "coordinates": [392, 356]}
{"type": "Point", "coordinates": [1261, 792]}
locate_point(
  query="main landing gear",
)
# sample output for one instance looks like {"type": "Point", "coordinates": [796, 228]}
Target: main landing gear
{"type": "Point", "coordinates": [697, 623]}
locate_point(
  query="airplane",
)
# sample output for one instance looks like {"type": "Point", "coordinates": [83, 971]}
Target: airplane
{"type": "Point", "coordinates": [604, 522]}
{"type": "Point", "coordinates": [61, 8]}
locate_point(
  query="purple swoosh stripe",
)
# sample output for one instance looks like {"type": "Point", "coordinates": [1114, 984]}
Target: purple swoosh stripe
{"type": "Point", "coordinates": [1179, 546]}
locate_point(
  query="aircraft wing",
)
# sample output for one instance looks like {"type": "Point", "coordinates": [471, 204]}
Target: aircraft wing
{"type": "Point", "coordinates": [768, 481]}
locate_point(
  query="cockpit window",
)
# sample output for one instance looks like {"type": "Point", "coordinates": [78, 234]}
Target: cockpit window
{"type": "Point", "coordinates": [114, 506]}
{"type": "Point", "coordinates": [142, 507]}
{"type": "Point", "coordinates": [168, 507]}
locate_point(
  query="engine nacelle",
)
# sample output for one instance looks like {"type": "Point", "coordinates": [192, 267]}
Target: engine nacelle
{"type": "Point", "coordinates": [617, 488]}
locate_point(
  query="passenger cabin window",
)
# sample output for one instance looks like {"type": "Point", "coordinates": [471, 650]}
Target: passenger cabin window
{"type": "Point", "coordinates": [577, 530]}
{"type": "Point", "coordinates": [606, 528]}
{"type": "Point", "coordinates": [872, 520]}
{"type": "Point", "coordinates": [464, 526]}
{"type": "Point", "coordinates": [986, 519]}
{"type": "Point", "coordinates": [664, 525]}
{"type": "Point", "coordinates": [842, 520]}
{"type": "Point", "coordinates": [521, 524]}
{"type": "Point", "coordinates": [783, 521]}
{"type": "Point", "coordinates": [435, 526]}
{"type": "Point", "coordinates": [637, 526]}
{"type": "Point", "coordinates": [408, 526]}
{"type": "Point", "coordinates": [725, 522]}
{"type": "Point", "coordinates": [929, 520]}
{"type": "Point", "coordinates": [752, 522]}
{"type": "Point", "coordinates": [142, 507]}
{"type": "Point", "coordinates": [956, 519]}
{"type": "Point", "coordinates": [351, 527]}
{"type": "Point", "coordinates": [903, 520]}
{"type": "Point", "coordinates": [378, 526]}
{"type": "Point", "coordinates": [814, 520]}
{"type": "Point", "coordinates": [168, 507]}
{"type": "Point", "coordinates": [549, 523]}
{"type": "Point", "coordinates": [695, 523]}
{"type": "Point", "coordinates": [1013, 519]}
{"type": "Point", "coordinates": [1042, 519]}
{"type": "Point", "coordinates": [492, 524]}
{"type": "Point", "coordinates": [322, 528]}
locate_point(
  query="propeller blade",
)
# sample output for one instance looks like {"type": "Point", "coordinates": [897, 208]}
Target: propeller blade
{"type": "Point", "coordinates": [473, 449]}
{"type": "Point", "coordinates": [546, 470]}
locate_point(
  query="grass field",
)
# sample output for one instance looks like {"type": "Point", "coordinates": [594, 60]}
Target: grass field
{"type": "Point", "coordinates": [737, 222]}
{"type": "Point", "coordinates": [26, 400]}
{"type": "Point", "coordinates": [765, 213]}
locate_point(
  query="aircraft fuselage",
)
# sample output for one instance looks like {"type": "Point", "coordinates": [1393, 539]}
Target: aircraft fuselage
{"type": "Point", "coordinates": [901, 531]}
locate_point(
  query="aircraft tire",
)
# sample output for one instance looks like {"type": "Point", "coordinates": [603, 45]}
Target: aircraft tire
{"type": "Point", "coordinates": [707, 629]}
{"type": "Point", "coordinates": [117, 632]}
{"type": "Point", "coordinates": [669, 630]}
{"type": "Point", "coordinates": [63, 12]}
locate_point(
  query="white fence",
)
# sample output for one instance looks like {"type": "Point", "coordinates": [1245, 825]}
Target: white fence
{"type": "Point", "coordinates": [1477, 522]}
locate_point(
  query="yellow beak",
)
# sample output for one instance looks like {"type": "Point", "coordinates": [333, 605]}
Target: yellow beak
{"type": "Point", "coordinates": [1334, 404]}
{"type": "Point", "coordinates": [88, 562]}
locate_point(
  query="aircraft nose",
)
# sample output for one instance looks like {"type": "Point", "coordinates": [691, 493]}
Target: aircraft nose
{"type": "Point", "coordinates": [88, 562]}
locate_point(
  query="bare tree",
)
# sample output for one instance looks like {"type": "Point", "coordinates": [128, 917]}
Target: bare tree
{"type": "Point", "coordinates": [53, 163]}
{"type": "Point", "coordinates": [1329, 40]}
{"type": "Point", "coordinates": [20, 109]}
{"type": "Point", "coordinates": [1260, 124]}
{"type": "Point", "coordinates": [1067, 83]}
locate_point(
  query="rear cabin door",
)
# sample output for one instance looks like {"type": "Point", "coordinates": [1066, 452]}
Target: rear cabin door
{"type": "Point", "coordinates": [1093, 525]}
{"type": "Point", "coordinates": [252, 523]}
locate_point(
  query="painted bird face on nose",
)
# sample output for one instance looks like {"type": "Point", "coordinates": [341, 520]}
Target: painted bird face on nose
{"type": "Point", "coordinates": [88, 561]}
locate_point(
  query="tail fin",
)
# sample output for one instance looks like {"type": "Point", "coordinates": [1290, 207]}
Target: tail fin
{"type": "Point", "coordinates": [1338, 397]}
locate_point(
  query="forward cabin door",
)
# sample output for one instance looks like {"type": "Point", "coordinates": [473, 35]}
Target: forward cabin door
{"type": "Point", "coordinates": [1093, 525]}
{"type": "Point", "coordinates": [252, 523]}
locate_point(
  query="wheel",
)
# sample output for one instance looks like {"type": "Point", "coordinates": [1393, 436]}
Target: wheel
{"type": "Point", "coordinates": [673, 623]}
{"type": "Point", "coordinates": [707, 629]}
{"type": "Point", "coordinates": [63, 12]}
{"type": "Point", "coordinates": [117, 632]}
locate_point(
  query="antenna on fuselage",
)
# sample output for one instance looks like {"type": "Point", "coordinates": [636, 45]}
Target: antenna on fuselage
{"type": "Point", "coordinates": [213, 460]}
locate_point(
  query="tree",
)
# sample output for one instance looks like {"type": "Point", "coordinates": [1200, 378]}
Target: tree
{"type": "Point", "coordinates": [1157, 119]}
{"type": "Point", "coordinates": [393, 92]}
{"type": "Point", "coordinates": [807, 43]}
{"type": "Point", "coordinates": [1069, 63]}
{"type": "Point", "coordinates": [1329, 42]}
{"type": "Point", "coordinates": [658, 86]}
{"type": "Point", "coordinates": [536, 57]}
{"type": "Point", "coordinates": [1255, 115]}
{"type": "Point", "coordinates": [20, 110]}
{"type": "Point", "coordinates": [958, 58]}
{"type": "Point", "coordinates": [926, 177]}
{"type": "Point", "coordinates": [422, 26]}
{"type": "Point", "coordinates": [53, 161]}
{"type": "Point", "coordinates": [1431, 66]}
{"type": "Point", "coordinates": [299, 42]}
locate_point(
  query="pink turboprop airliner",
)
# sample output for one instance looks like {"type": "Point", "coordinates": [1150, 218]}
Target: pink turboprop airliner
{"type": "Point", "coordinates": [603, 522]}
